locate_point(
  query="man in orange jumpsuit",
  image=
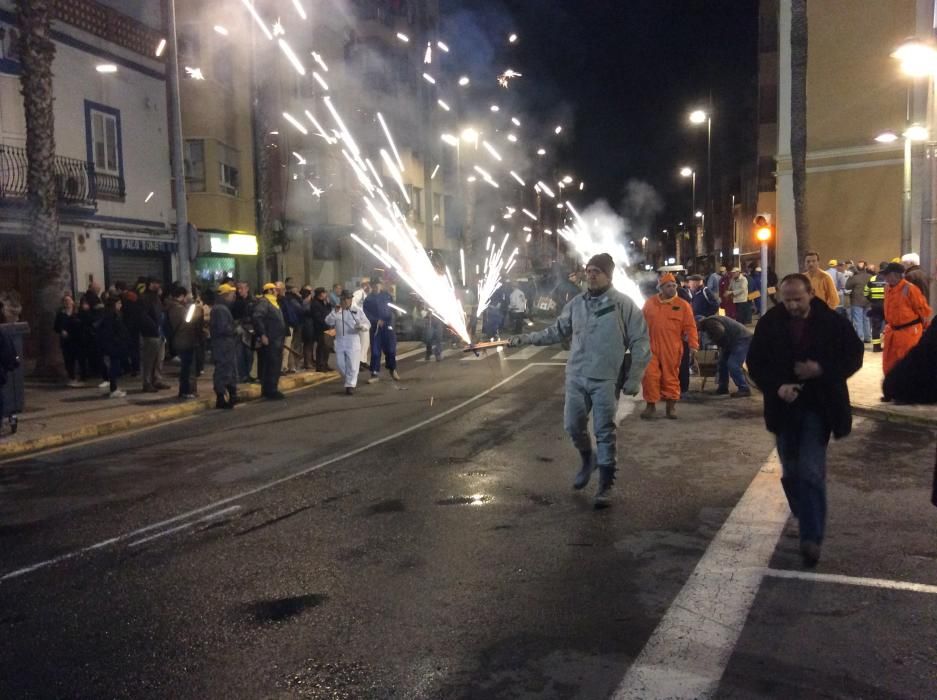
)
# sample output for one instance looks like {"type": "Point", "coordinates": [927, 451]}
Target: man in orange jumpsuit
{"type": "Point", "coordinates": [669, 321]}
{"type": "Point", "coordinates": [907, 314]}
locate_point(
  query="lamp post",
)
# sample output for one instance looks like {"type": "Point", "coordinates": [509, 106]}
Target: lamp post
{"type": "Point", "coordinates": [176, 145]}
{"type": "Point", "coordinates": [698, 117]}
{"type": "Point", "coordinates": [763, 234]}
{"type": "Point", "coordinates": [687, 171]}
{"type": "Point", "coordinates": [918, 59]}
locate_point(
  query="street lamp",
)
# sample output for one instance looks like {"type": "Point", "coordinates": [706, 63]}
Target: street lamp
{"type": "Point", "coordinates": [918, 58]}
{"type": "Point", "coordinates": [702, 217]}
{"type": "Point", "coordinates": [763, 234]}
{"type": "Point", "coordinates": [689, 172]}
{"type": "Point", "coordinates": [697, 118]}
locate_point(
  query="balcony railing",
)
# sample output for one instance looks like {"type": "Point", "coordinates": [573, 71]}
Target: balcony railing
{"type": "Point", "coordinates": [76, 183]}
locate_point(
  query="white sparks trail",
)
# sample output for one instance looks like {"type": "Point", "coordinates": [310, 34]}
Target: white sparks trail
{"type": "Point", "coordinates": [300, 10]}
{"type": "Point", "coordinates": [602, 231]}
{"type": "Point", "coordinates": [292, 57]}
{"type": "Point", "coordinates": [390, 140]}
{"type": "Point", "coordinates": [518, 178]}
{"type": "Point", "coordinates": [249, 4]}
{"type": "Point", "coordinates": [494, 265]}
{"type": "Point", "coordinates": [295, 122]}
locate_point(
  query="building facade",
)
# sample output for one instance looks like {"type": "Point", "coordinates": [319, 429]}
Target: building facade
{"type": "Point", "coordinates": [111, 160]}
{"type": "Point", "coordinates": [854, 92]}
{"type": "Point", "coordinates": [218, 148]}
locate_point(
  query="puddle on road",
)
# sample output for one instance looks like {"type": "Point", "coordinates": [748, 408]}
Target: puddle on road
{"type": "Point", "coordinates": [477, 499]}
{"type": "Point", "coordinates": [279, 609]}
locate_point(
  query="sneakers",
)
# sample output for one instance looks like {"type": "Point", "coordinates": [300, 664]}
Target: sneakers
{"type": "Point", "coordinates": [396, 377]}
{"type": "Point", "coordinates": [585, 471]}
{"type": "Point", "coordinates": [75, 384]}
{"type": "Point", "coordinates": [349, 390]}
{"type": "Point", "coordinates": [603, 495]}
{"type": "Point", "coordinates": [741, 393]}
{"type": "Point", "coordinates": [187, 397]}
{"type": "Point", "coordinates": [117, 394]}
{"type": "Point", "coordinates": [810, 552]}
{"type": "Point", "coordinates": [671, 409]}
{"type": "Point", "coordinates": [373, 379]}
{"type": "Point", "coordinates": [649, 411]}
{"type": "Point", "coordinates": [104, 385]}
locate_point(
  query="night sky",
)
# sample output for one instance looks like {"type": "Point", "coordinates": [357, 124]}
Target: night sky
{"type": "Point", "coordinates": [628, 72]}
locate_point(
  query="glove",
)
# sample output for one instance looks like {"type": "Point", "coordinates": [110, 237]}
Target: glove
{"type": "Point", "coordinates": [515, 341]}
{"type": "Point", "coordinates": [631, 387]}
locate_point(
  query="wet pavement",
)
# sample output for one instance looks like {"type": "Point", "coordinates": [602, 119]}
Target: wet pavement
{"type": "Point", "coordinates": [427, 544]}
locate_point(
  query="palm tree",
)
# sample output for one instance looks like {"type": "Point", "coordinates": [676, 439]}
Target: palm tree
{"type": "Point", "coordinates": [799, 122]}
{"type": "Point", "coordinates": [37, 51]}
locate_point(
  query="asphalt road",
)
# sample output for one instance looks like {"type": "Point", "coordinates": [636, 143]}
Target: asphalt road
{"type": "Point", "coordinates": [421, 540]}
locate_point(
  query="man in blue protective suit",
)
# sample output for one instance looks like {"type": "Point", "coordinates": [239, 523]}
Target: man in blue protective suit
{"type": "Point", "coordinates": [383, 338]}
{"type": "Point", "coordinates": [603, 323]}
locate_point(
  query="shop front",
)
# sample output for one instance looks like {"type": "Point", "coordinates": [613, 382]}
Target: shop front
{"type": "Point", "coordinates": [128, 259]}
{"type": "Point", "coordinates": [228, 255]}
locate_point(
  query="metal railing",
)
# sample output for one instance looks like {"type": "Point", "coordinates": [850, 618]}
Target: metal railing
{"type": "Point", "coordinates": [76, 182]}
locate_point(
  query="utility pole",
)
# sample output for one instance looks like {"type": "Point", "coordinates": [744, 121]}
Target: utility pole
{"type": "Point", "coordinates": [178, 162]}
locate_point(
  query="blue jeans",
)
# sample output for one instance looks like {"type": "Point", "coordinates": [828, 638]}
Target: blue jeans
{"type": "Point", "coordinates": [383, 340]}
{"type": "Point", "coordinates": [860, 321]}
{"type": "Point", "coordinates": [245, 359]}
{"type": "Point", "coordinates": [730, 365]}
{"type": "Point", "coordinates": [802, 447]}
{"type": "Point", "coordinates": [598, 396]}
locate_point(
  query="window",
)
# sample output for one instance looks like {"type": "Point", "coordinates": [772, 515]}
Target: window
{"type": "Point", "coordinates": [194, 162]}
{"type": "Point", "coordinates": [228, 181]}
{"type": "Point", "coordinates": [104, 143]}
{"type": "Point", "coordinates": [104, 150]}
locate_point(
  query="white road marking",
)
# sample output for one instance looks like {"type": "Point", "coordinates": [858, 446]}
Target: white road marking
{"type": "Point", "coordinates": [270, 484]}
{"type": "Point", "coordinates": [185, 526]}
{"type": "Point", "coordinates": [527, 352]}
{"type": "Point", "coordinates": [561, 356]}
{"type": "Point", "coordinates": [449, 352]}
{"type": "Point", "coordinates": [853, 580]}
{"type": "Point", "coordinates": [411, 353]}
{"type": "Point", "coordinates": [688, 652]}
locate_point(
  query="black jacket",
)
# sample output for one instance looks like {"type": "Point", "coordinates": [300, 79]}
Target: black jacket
{"type": "Point", "coordinates": [831, 342]}
{"type": "Point", "coordinates": [150, 315]}
{"type": "Point", "coordinates": [113, 337]}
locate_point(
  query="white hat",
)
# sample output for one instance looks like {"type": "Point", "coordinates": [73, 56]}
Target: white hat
{"type": "Point", "coordinates": [912, 258]}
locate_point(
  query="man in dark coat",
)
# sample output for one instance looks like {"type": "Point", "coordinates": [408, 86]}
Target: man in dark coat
{"type": "Point", "coordinates": [224, 340]}
{"type": "Point", "coordinates": [800, 357]}
{"type": "Point", "coordinates": [270, 329]}
{"type": "Point", "coordinates": [319, 308]}
{"type": "Point", "coordinates": [149, 323]}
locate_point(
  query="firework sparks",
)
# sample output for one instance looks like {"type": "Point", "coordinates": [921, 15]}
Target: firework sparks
{"type": "Point", "coordinates": [529, 214]}
{"type": "Point", "coordinates": [249, 4]}
{"type": "Point", "coordinates": [390, 140]}
{"type": "Point", "coordinates": [442, 46]}
{"type": "Point", "coordinates": [291, 57]}
{"type": "Point", "coordinates": [491, 149]}
{"type": "Point", "coordinates": [300, 10]}
{"type": "Point", "coordinates": [519, 179]}
{"type": "Point", "coordinates": [546, 190]}
{"type": "Point", "coordinates": [319, 79]}
{"type": "Point", "coordinates": [443, 104]}
{"type": "Point", "coordinates": [295, 122]}
{"type": "Point", "coordinates": [507, 76]}
{"type": "Point", "coordinates": [318, 59]}
{"type": "Point", "coordinates": [428, 56]}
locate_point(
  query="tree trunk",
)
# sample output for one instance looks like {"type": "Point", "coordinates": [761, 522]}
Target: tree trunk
{"type": "Point", "coordinates": [36, 54]}
{"type": "Point", "coordinates": [799, 122]}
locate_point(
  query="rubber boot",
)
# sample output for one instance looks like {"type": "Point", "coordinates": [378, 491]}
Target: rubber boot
{"type": "Point", "coordinates": [649, 411]}
{"type": "Point", "coordinates": [603, 495]}
{"type": "Point", "coordinates": [585, 471]}
{"type": "Point", "coordinates": [671, 409]}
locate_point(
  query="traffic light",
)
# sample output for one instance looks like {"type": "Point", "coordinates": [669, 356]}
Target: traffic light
{"type": "Point", "coordinates": [763, 230]}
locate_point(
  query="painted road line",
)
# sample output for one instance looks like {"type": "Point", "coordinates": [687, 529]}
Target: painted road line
{"type": "Point", "coordinates": [561, 356]}
{"type": "Point", "coordinates": [185, 526]}
{"type": "Point", "coordinates": [688, 652]}
{"type": "Point", "coordinates": [853, 580]}
{"type": "Point", "coordinates": [445, 353]}
{"type": "Point", "coordinates": [527, 352]}
{"type": "Point", "coordinates": [134, 534]}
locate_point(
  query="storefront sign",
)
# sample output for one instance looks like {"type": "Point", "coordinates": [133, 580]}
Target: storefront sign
{"type": "Point", "coordinates": [234, 244]}
{"type": "Point", "coordinates": [139, 244]}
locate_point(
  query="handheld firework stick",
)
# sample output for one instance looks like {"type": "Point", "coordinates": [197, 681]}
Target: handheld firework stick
{"type": "Point", "coordinates": [487, 345]}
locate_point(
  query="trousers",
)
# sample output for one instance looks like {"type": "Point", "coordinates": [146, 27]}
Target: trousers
{"type": "Point", "coordinates": [662, 376]}
{"type": "Point", "coordinates": [383, 340]}
{"type": "Point", "coordinates": [152, 359]}
{"type": "Point", "coordinates": [270, 367]}
{"type": "Point", "coordinates": [348, 358]}
{"type": "Point", "coordinates": [898, 343]}
{"type": "Point", "coordinates": [802, 447]}
{"type": "Point", "coordinates": [595, 396]}
{"type": "Point", "coordinates": [730, 365]}
{"type": "Point", "coordinates": [876, 321]}
{"type": "Point", "coordinates": [860, 322]}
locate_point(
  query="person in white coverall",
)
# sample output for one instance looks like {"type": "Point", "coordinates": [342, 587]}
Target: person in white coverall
{"type": "Point", "coordinates": [603, 323]}
{"type": "Point", "coordinates": [348, 321]}
{"type": "Point", "coordinates": [357, 300]}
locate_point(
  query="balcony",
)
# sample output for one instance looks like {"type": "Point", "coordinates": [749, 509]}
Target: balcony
{"type": "Point", "coordinates": [76, 183]}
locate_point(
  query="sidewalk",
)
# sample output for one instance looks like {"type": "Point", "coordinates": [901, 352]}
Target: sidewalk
{"type": "Point", "coordinates": [865, 392]}
{"type": "Point", "coordinates": [57, 415]}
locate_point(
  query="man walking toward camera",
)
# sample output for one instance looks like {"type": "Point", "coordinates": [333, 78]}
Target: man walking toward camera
{"type": "Point", "coordinates": [603, 323]}
{"type": "Point", "coordinates": [800, 357]}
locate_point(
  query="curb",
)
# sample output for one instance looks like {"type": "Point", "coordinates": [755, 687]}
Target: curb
{"type": "Point", "coordinates": [246, 392]}
{"type": "Point", "coordinates": [894, 417]}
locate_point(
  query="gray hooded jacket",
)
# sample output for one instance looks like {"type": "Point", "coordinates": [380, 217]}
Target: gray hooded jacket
{"type": "Point", "coordinates": [601, 328]}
